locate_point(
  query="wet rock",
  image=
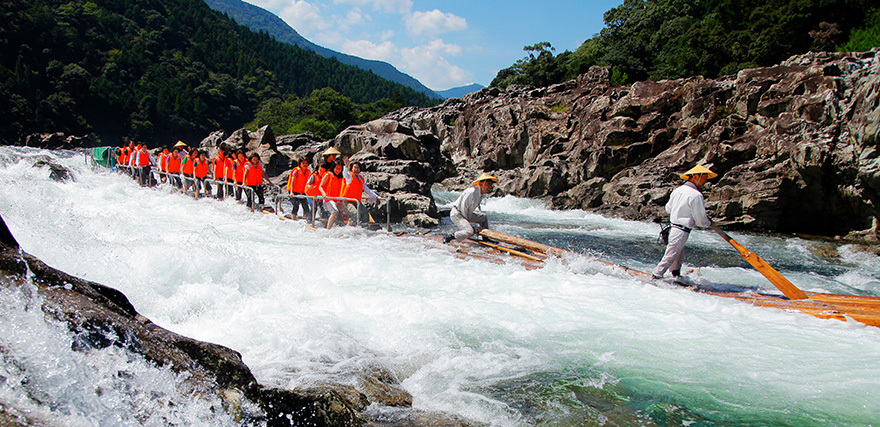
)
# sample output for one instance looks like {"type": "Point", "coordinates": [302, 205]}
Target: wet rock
{"type": "Point", "coordinates": [58, 140]}
{"type": "Point", "coordinates": [56, 172]}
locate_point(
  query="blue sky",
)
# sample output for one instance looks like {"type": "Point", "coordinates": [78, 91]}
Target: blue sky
{"type": "Point", "coordinates": [444, 44]}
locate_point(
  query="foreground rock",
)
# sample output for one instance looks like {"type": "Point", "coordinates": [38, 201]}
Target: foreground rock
{"type": "Point", "coordinates": [99, 317]}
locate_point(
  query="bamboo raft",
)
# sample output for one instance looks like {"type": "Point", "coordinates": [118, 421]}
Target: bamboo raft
{"type": "Point", "coordinates": [864, 309]}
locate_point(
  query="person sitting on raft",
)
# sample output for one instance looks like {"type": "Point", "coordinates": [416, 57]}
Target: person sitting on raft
{"type": "Point", "coordinates": [296, 187]}
{"type": "Point", "coordinates": [331, 186]}
{"type": "Point", "coordinates": [464, 209]}
{"type": "Point", "coordinates": [253, 179]}
{"type": "Point", "coordinates": [355, 187]}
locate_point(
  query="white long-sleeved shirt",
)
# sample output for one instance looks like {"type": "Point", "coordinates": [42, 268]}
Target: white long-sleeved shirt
{"type": "Point", "coordinates": [468, 201]}
{"type": "Point", "coordinates": [687, 208]}
{"type": "Point", "coordinates": [135, 158]}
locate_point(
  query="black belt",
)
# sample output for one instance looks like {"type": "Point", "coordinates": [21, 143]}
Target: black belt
{"type": "Point", "coordinates": [682, 228]}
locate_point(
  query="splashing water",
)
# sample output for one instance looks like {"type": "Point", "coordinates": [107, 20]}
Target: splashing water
{"type": "Point", "coordinates": [574, 343]}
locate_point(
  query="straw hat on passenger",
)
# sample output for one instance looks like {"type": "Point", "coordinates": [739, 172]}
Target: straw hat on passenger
{"type": "Point", "coordinates": [485, 177]}
{"type": "Point", "coordinates": [330, 151]}
{"type": "Point", "coordinates": [698, 170]}
{"type": "Point", "coordinates": [180, 144]}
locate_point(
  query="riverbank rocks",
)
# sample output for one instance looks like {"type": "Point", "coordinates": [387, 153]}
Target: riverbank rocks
{"type": "Point", "coordinates": [794, 144]}
{"type": "Point", "coordinates": [99, 317]}
{"type": "Point", "coordinates": [58, 140]}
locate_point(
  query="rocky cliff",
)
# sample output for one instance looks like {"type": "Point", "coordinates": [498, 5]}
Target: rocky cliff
{"type": "Point", "coordinates": [794, 144]}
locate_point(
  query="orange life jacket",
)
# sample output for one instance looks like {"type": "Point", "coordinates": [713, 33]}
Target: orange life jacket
{"type": "Point", "coordinates": [188, 165]}
{"type": "Point", "coordinates": [253, 174]}
{"type": "Point", "coordinates": [201, 168]}
{"type": "Point", "coordinates": [143, 158]}
{"type": "Point", "coordinates": [333, 186]}
{"type": "Point", "coordinates": [173, 163]}
{"type": "Point", "coordinates": [127, 151]}
{"type": "Point", "coordinates": [297, 181]}
{"type": "Point", "coordinates": [229, 168]}
{"type": "Point", "coordinates": [219, 164]}
{"type": "Point", "coordinates": [238, 166]}
{"type": "Point", "coordinates": [120, 159]}
{"type": "Point", "coordinates": [163, 164]}
{"type": "Point", "coordinates": [314, 190]}
{"type": "Point", "coordinates": [355, 190]}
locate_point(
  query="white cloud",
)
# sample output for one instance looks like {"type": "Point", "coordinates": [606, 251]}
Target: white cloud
{"type": "Point", "coordinates": [391, 6]}
{"type": "Point", "coordinates": [385, 51]}
{"type": "Point", "coordinates": [434, 22]}
{"type": "Point", "coordinates": [303, 16]}
{"type": "Point", "coordinates": [428, 64]}
{"type": "Point", "coordinates": [353, 17]}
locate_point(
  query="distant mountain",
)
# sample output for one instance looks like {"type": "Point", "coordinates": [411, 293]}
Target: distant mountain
{"type": "Point", "coordinates": [458, 92]}
{"type": "Point", "coordinates": [259, 19]}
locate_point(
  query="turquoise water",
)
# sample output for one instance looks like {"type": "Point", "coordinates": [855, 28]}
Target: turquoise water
{"type": "Point", "coordinates": [575, 343]}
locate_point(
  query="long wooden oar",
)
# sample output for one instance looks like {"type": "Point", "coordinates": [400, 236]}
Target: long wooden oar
{"type": "Point", "coordinates": [510, 251]}
{"type": "Point", "coordinates": [778, 280]}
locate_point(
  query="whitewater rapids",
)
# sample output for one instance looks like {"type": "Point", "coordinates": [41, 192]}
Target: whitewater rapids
{"type": "Point", "coordinates": [494, 343]}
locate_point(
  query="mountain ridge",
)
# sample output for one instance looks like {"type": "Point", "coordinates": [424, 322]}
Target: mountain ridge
{"type": "Point", "coordinates": [458, 92]}
{"type": "Point", "coordinates": [259, 19]}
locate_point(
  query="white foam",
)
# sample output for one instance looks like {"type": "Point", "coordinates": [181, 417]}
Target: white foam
{"type": "Point", "coordinates": [303, 305]}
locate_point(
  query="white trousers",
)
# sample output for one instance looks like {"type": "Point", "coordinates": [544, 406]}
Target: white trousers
{"type": "Point", "coordinates": [465, 229]}
{"type": "Point", "coordinates": [674, 252]}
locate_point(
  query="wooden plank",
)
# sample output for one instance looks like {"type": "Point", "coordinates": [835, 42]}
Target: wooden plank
{"type": "Point", "coordinates": [528, 244]}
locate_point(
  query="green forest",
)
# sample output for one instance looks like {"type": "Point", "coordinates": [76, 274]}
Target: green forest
{"type": "Point", "coordinates": [668, 39]}
{"type": "Point", "coordinates": [156, 71]}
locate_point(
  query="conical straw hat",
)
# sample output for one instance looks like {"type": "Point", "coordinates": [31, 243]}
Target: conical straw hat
{"type": "Point", "coordinates": [330, 151]}
{"type": "Point", "coordinates": [485, 177]}
{"type": "Point", "coordinates": [180, 144]}
{"type": "Point", "coordinates": [697, 170]}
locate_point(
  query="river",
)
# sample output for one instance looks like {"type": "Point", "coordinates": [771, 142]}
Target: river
{"type": "Point", "coordinates": [574, 343]}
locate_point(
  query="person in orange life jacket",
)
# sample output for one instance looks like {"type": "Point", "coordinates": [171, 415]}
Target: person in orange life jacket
{"type": "Point", "coordinates": [120, 157]}
{"type": "Point", "coordinates": [229, 173]}
{"type": "Point", "coordinates": [163, 163]}
{"type": "Point", "coordinates": [218, 170]}
{"type": "Point", "coordinates": [141, 161]}
{"type": "Point", "coordinates": [331, 186]}
{"type": "Point", "coordinates": [187, 168]}
{"type": "Point", "coordinates": [296, 186]}
{"type": "Point", "coordinates": [127, 151]}
{"type": "Point", "coordinates": [254, 178]}
{"type": "Point", "coordinates": [313, 190]}
{"type": "Point", "coordinates": [202, 170]}
{"type": "Point", "coordinates": [173, 165]}
{"type": "Point", "coordinates": [238, 172]}
{"type": "Point", "coordinates": [355, 188]}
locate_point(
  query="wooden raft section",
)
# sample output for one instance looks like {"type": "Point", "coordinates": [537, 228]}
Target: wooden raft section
{"type": "Point", "coordinates": [863, 309]}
